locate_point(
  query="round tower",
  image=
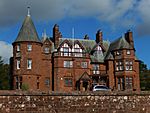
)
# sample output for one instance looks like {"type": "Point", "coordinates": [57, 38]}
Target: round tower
{"type": "Point", "coordinates": [27, 57]}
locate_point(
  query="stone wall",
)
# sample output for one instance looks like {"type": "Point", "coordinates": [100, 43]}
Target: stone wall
{"type": "Point", "coordinates": [94, 103]}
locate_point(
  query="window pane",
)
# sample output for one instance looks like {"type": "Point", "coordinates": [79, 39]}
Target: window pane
{"type": "Point", "coordinates": [29, 47]}
{"type": "Point", "coordinates": [68, 63]}
{"type": "Point", "coordinates": [76, 50]}
{"type": "Point", "coordinates": [95, 67]}
{"type": "Point", "coordinates": [46, 50]}
{"type": "Point", "coordinates": [130, 68]}
{"type": "Point", "coordinates": [47, 82]}
{"type": "Point", "coordinates": [129, 82]}
{"type": "Point", "coordinates": [18, 82]}
{"type": "Point", "coordinates": [68, 81]}
{"type": "Point", "coordinates": [128, 52]}
{"type": "Point", "coordinates": [129, 65]}
{"type": "Point", "coordinates": [18, 47]}
{"type": "Point", "coordinates": [18, 64]}
{"type": "Point", "coordinates": [66, 51]}
{"type": "Point", "coordinates": [119, 66]}
{"type": "Point", "coordinates": [84, 64]}
{"type": "Point", "coordinates": [29, 64]}
{"type": "Point", "coordinates": [77, 46]}
{"type": "Point", "coordinates": [66, 45]}
{"type": "Point", "coordinates": [118, 53]}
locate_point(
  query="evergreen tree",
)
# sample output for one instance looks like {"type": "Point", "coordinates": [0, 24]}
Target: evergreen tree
{"type": "Point", "coordinates": [143, 67]}
{"type": "Point", "coordinates": [4, 75]}
{"type": "Point", "coordinates": [144, 76]}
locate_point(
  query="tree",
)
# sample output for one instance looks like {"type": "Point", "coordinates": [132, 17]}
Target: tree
{"type": "Point", "coordinates": [4, 75]}
{"type": "Point", "coordinates": [143, 67]}
{"type": "Point", "coordinates": [144, 76]}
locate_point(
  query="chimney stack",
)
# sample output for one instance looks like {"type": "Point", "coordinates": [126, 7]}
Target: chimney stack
{"type": "Point", "coordinates": [99, 37]}
{"type": "Point", "coordinates": [56, 35]}
{"type": "Point", "coordinates": [129, 38]}
{"type": "Point", "coordinates": [86, 37]}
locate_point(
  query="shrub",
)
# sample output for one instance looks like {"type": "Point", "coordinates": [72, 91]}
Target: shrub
{"type": "Point", "coordinates": [25, 87]}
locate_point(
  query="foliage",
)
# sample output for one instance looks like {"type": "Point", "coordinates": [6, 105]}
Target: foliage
{"type": "Point", "coordinates": [143, 67]}
{"type": "Point", "coordinates": [25, 87]}
{"type": "Point", "coordinates": [144, 76]}
{"type": "Point", "coordinates": [4, 75]}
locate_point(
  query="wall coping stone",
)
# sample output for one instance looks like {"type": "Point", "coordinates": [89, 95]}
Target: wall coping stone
{"type": "Point", "coordinates": [77, 93]}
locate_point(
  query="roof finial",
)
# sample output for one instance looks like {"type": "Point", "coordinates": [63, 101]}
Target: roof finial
{"type": "Point", "coordinates": [73, 35]}
{"type": "Point", "coordinates": [72, 32]}
{"type": "Point", "coordinates": [44, 34]}
{"type": "Point", "coordinates": [28, 11]}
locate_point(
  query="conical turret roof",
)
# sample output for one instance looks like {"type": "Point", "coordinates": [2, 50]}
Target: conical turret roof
{"type": "Point", "coordinates": [27, 31]}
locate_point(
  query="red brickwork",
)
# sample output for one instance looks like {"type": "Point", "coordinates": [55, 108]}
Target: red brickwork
{"type": "Point", "coordinates": [53, 69]}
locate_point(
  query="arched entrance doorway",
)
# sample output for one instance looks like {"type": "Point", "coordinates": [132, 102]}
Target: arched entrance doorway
{"type": "Point", "coordinates": [83, 83]}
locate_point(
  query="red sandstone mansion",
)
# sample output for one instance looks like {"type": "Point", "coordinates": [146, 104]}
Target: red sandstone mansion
{"type": "Point", "coordinates": [66, 64]}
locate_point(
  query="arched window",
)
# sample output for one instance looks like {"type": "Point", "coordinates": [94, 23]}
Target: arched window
{"type": "Point", "coordinates": [77, 50]}
{"type": "Point", "coordinates": [65, 50]}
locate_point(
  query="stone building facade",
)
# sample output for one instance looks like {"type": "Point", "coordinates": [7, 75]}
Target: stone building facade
{"type": "Point", "coordinates": [69, 64]}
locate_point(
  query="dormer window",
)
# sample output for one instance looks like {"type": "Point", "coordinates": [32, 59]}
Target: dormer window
{"type": "Point", "coordinates": [29, 47]}
{"type": "Point", "coordinates": [98, 51]}
{"type": "Point", "coordinates": [18, 48]}
{"type": "Point", "coordinates": [128, 52]}
{"type": "Point", "coordinates": [77, 50]}
{"type": "Point", "coordinates": [65, 50]}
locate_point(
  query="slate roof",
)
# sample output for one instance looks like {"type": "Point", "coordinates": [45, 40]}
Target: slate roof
{"type": "Point", "coordinates": [27, 31]}
{"type": "Point", "coordinates": [89, 45]}
{"type": "Point", "coordinates": [120, 43]}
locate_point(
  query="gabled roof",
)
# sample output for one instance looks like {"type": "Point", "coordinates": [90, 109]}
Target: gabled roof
{"type": "Point", "coordinates": [44, 39]}
{"type": "Point", "coordinates": [84, 76]}
{"type": "Point", "coordinates": [88, 46]}
{"type": "Point", "coordinates": [27, 31]}
{"type": "Point", "coordinates": [109, 56]}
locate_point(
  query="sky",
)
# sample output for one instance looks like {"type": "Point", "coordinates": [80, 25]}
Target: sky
{"type": "Point", "coordinates": [113, 17]}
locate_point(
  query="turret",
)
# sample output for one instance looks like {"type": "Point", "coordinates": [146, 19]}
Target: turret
{"type": "Point", "coordinates": [26, 56]}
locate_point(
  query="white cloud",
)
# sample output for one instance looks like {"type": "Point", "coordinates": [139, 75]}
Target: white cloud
{"type": "Point", "coordinates": [122, 13]}
{"type": "Point", "coordinates": [143, 9]}
{"type": "Point", "coordinates": [106, 10]}
{"type": "Point", "coordinates": [5, 51]}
